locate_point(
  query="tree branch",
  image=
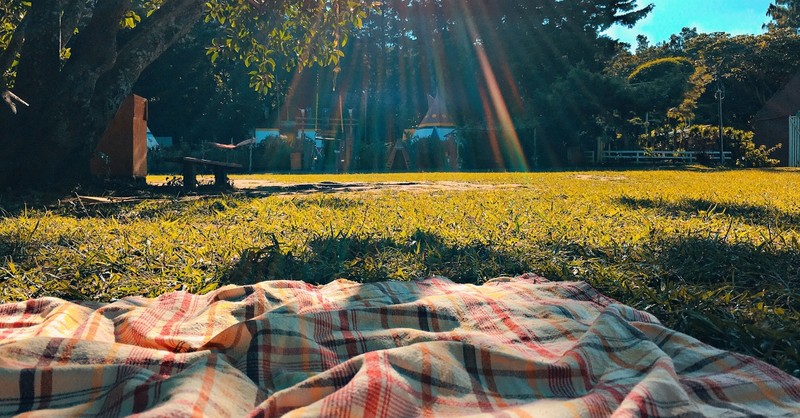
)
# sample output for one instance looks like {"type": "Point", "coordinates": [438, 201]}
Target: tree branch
{"type": "Point", "coordinates": [154, 36]}
{"type": "Point", "coordinates": [95, 49]}
{"type": "Point", "coordinates": [38, 55]}
{"type": "Point", "coordinates": [74, 12]}
{"type": "Point", "coordinates": [17, 40]}
{"type": "Point", "coordinates": [258, 4]}
{"type": "Point", "coordinates": [12, 99]}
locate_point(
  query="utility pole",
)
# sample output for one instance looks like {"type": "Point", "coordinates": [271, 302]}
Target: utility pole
{"type": "Point", "coordinates": [719, 95]}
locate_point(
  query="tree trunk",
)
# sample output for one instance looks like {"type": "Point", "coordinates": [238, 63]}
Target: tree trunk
{"type": "Point", "coordinates": [49, 144]}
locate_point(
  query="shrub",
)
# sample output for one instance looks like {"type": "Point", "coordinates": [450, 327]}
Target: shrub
{"type": "Point", "coordinates": [744, 151]}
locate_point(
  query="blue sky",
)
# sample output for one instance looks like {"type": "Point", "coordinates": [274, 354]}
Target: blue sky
{"type": "Point", "coordinates": [669, 16]}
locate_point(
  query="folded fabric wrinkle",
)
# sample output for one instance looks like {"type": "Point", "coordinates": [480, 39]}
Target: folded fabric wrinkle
{"type": "Point", "coordinates": [515, 345]}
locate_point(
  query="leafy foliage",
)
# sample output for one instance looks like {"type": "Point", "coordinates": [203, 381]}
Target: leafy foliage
{"type": "Point", "coordinates": [745, 152]}
{"type": "Point", "coordinates": [662, 67]}
{"type": "Point", "coordinates": [307, 33]}
{"type": "Point", "coordinates": [75, 78]}
{"type": "Point", "coordinates": [704, 138]}
{"type": "Point", "coordinates": [661, 83]}
{"type": "Point", "coordinates": [11, 14]}
{"type": "Point", "coordinates": [749, 68]}
{"type": "Point", "coordinates": [715, 254]}
{"type": "Point", "coordinates": [785, 14]}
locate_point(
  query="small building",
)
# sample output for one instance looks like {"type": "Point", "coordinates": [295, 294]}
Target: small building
{"type": "Point", "coordinates": [433, 144]}
{"type": "Point", "coordinates": [771, 123]}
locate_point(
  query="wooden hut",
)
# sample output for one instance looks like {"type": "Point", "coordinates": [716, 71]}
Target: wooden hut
{"type": "Point", "coordinates": [122, 152]}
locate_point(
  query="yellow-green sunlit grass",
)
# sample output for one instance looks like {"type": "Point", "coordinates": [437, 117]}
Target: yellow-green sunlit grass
{"type": "Point", "coordinates": [715, 254]}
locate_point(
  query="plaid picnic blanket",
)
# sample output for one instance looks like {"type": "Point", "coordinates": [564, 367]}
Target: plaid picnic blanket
{"type": "Point", "coordinates": [511, 347]}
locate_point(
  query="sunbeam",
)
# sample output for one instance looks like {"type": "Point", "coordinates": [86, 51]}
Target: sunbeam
{"type": "Point", "coordinates": [497, 103]}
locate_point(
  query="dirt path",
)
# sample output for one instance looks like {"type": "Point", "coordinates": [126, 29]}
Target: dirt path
{"type": "Point", "coordinates": [264, 188]}
{"type": "Point", "coordinates": [268, 187]}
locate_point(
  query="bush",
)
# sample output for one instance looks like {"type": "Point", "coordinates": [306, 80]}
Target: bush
{"type": "Point", "coordinates": [744, 151]}
{"type": "Point", "coordinates": [751, 155]}
{"type": "Point", "coordinates": [662, 68]}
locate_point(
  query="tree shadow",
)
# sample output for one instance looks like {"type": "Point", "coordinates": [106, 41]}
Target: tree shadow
{"type": "Point", "coordinates": [741, 297]}
{"type": "Point", "coordinates": [14, 247]}
{"type": "Point", "coordinates": [261, 190]}
{"type": "Point", "coordinates": [706, 260]}
{"type": "Point", "coordinates": [101, 202]}
{"type": "Point", "coordinates": [368, 259]}
{"type": "Point", "coordinates": [686, 208]}
{"type": "Point", "coordinates": [256, 189]}
{"type": "Point", "coordinates": [738, 296]}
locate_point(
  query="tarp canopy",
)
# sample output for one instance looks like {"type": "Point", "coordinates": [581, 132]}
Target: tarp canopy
{"type": "Point", "coordinates": [246, 142]}
{"type": "Point", "coordinates": [151, 140]}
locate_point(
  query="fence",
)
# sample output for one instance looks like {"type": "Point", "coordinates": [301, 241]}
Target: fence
{"type": "Point", "coordinates": [640, 156]}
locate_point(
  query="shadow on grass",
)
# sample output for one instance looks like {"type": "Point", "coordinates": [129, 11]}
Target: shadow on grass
{"type": "Point", "coordinates": [758, 215]}
{"type": "Point", "coordinates": [262, 190]}
{"type": "Point", "coordinates": [15, 247]}
{"type": "Point", "coordinates": [98, 202]}
{"type": "Point", "coordinates": [366, 259]}
{"type": "Point", "coordinates": [711, 261]}
{"type": "Point", "coordinates": [738, 297]}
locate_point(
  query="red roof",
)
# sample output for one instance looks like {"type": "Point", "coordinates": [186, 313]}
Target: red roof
{"type": "Point", "coordinates": [784, 103]}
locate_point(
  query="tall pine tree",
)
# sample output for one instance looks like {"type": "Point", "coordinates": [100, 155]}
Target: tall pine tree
{"type": "Point", "coordinates": [785, 14]}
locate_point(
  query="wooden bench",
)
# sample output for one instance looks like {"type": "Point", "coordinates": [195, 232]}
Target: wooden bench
{"type": "Point", "coordinates": [189, 164]}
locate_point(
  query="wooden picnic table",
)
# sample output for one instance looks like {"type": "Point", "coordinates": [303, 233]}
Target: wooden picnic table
{"type": "Point", "coordinates": [189, 164]}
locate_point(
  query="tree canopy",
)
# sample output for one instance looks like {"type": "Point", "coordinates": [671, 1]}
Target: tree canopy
{"type": "Point", "coordinates": [522, 78]}
{"type": "Point", "coordinates": [785, 14]}
{"type": "Point", "coordinates": [74, 62]}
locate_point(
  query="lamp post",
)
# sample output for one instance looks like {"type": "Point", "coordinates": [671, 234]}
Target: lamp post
{"type": "Point", "coordinates": [719, 95]}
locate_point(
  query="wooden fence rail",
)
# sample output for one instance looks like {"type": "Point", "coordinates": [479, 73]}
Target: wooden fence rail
{"type": "Point", "coordinates": [641, 156]}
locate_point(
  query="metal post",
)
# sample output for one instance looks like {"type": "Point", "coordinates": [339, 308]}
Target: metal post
{"type": "Point", "coordinates": [719, 95]}
{"type": "Point", "coordinates": [302, 141]}
{"type": "Point", "coordinates": [350, 141]}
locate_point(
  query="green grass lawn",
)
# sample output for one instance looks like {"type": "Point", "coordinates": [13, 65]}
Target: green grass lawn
{"type": "Point", "coordinates": [715, 254]}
